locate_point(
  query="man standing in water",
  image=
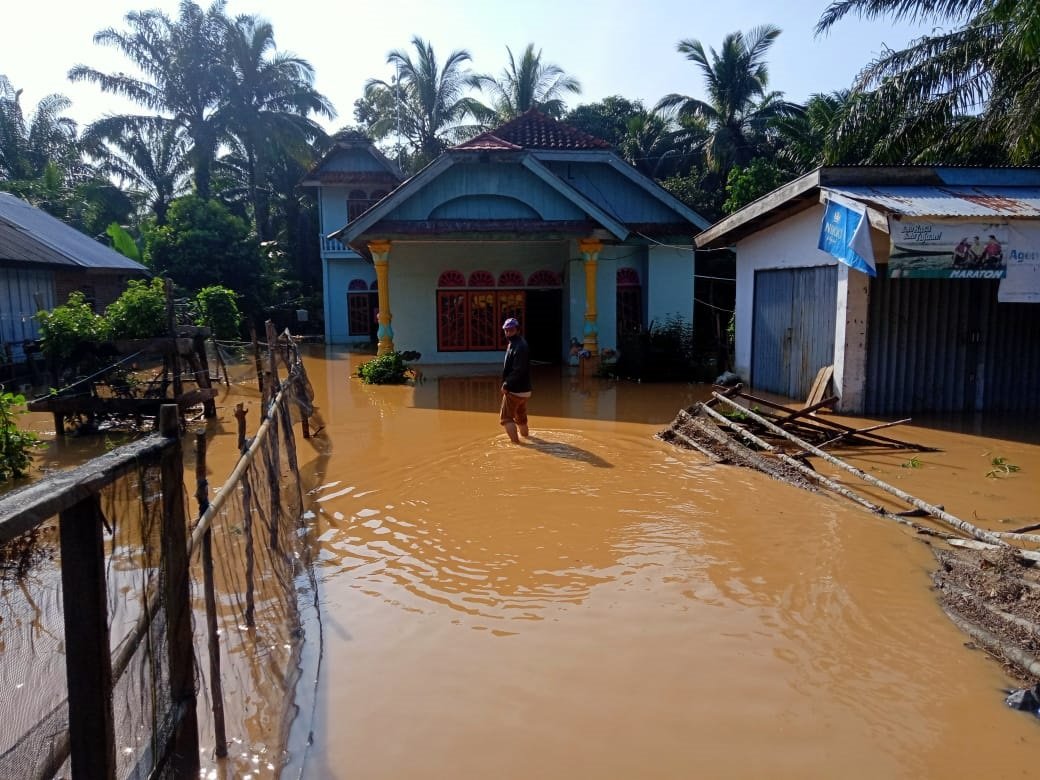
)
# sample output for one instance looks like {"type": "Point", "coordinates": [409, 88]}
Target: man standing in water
{"type": "Point", "coordinates": [516, 382]}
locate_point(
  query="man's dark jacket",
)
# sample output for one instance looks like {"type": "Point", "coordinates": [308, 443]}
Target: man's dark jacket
{"type": "Point", "coordinates": [516, 369]}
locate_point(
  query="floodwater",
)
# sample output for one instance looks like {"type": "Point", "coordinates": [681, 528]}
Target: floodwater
{"type": "Point", "coordinates": [597, 603]}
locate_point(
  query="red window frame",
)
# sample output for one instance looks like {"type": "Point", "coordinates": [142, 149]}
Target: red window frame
{"type": "Point", "coordinates": [471, 320]}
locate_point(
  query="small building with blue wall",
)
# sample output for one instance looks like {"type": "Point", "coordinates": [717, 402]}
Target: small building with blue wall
{"type": "Point", "coordinates": [534, 219]}
{"type": "Point", "coordinates": [350, 178]}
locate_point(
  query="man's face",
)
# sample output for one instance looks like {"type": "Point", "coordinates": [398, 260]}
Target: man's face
{"type": "Point", "coordinates": [510, 332]}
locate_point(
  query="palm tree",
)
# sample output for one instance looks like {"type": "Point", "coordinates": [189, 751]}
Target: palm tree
{"type": "Point", "coordinates": [430, 98]}
{"type": "Point", "coordinates": [29, 144]}
{"type": "Point", "coordinates": [525, 84]}
{"type": "Point", "coordinates": [181, 61]}
{"type": "Point", "coordinates": [266, 107]}
{"type": "Point", "coordinates": [150, 157]}
{"type": "Point", "coordinates": [739, 109]}
{"type": "Point", "coordinates": [658, 146]}
{"type": "Point", "coordinates": [975, 85]}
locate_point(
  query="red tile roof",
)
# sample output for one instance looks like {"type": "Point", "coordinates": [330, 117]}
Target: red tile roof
{"type": "Point", "coordinates": [534, 130]}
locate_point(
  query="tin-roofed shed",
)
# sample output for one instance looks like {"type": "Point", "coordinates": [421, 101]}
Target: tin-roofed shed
{"type": "Point", "coordinates": [948, 322]}
{"type": "Point", "coordinates": [42, 261]}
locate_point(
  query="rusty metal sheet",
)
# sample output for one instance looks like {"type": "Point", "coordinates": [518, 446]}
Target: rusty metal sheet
{"type": "Point", "coordinates": [949, 201]}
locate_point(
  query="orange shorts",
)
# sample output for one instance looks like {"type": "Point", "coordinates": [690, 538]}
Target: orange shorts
{"type": "Point", "coordinates": [514, 409]}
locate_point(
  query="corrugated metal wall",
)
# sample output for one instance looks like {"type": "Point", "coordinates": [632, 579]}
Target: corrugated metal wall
{"type": "Point", "coordinates": [18, 289]}
{"type": "Point", "coordinates": [793, 331]}
{"type": "Point", "coordinates": [940, 345]}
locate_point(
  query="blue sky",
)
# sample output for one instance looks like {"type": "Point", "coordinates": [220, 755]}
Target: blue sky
{"type": "Point", "coordinates": [612, 47]}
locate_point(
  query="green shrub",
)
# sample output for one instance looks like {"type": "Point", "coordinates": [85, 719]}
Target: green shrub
{"type": "Point", "coordinates": [660, 354]}
{"type": "Point", "coordinates": [140, 312]}
{"type": "Point", "coordinates": [388, 369]}
{"type": "Point", "coordinates": [64, 327]}
{"type": "Point", "coordinates": [15, 445]}
{"type": "Point", "coordinates": [217, 308]}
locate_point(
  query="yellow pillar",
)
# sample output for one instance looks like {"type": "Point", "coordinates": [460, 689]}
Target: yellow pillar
{"type": "Point", "coordinates": [381, 259]}
{"type": "Point", "coordinates": [590, 249]}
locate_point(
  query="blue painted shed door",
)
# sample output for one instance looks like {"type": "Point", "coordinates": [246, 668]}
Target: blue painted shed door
{"type": "Point", "coordinates": [793, 331]}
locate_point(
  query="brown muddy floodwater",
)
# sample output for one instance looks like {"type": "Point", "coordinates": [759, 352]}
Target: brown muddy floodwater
{"type": "Point", "coordinates": [598, 604]}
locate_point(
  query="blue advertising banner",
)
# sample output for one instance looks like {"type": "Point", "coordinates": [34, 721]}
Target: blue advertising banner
{"type": "Point", "coordinates": [845, 233]}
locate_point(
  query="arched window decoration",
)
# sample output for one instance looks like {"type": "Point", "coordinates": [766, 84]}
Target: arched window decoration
{"type": "Point", "coordinates": [628, 277]}
{"type": "Point", "coordinates": [544, 278]}
{"type": "Point", "coordinates": [357, 204]}
{"type": "Point", "coordinates": [374, 285]}
{"type": "Point", "coordinates": [511, 279]}
{"type": "Point", "coordinates": [451, 279]}
{"type": "Point", "coordinates": [481, 279]}
{"type": "Point", "coordinates": [357, 284]}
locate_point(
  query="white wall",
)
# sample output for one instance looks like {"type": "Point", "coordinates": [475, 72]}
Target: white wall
{"type": "Point", "coordinates": [792, 243]}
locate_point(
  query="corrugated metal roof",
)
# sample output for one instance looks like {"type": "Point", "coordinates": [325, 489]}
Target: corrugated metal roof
{"type": "Point", "coordinates": [18, 246]}
{"type": "Point", "coordinates": [24, 224]}
{"type": "Point", "coordinates": [949, 201]}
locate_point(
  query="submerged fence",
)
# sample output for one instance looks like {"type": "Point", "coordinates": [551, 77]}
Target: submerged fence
{"type": "Point", "coordinates": [101, 636]}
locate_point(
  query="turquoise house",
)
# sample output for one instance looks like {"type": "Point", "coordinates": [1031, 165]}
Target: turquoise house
{"type": "Point", "coordinates": [350, 178]}
{"type": "Point", "coordinates": [535, 220]}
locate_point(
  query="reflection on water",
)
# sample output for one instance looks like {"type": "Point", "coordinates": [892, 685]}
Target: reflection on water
{"type": "Point", "coordinates": [595, 603]}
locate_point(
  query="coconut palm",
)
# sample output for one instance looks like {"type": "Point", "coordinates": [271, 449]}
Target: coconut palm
{"type": "Point", "coordinates": [180, 60]}
{"type": "Point", "coordinates": [429, 99]}
{"type": "Point", "coordinates": [267, 106]}
{"type": "Point", "coordinates": [976, 84]}
{"type": "Point", "coordinates": [524, 84]}
{"type": "Point", "coordinates": [739, 109]}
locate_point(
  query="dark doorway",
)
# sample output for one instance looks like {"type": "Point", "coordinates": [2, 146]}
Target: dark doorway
{"type": "Point", "coordinates": [544, 326]}
{"type": "Point", "coordinates": [373, 320]}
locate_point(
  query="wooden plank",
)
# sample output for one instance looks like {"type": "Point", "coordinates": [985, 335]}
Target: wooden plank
{"type": "Point", "coordinates": [31, 505]}
{"type": "Point", "coordinates": [88, 664]}
{"type": "Point", "coordinates": [823, 422]}
{"type": "Point", "coordinates": [819, 386]}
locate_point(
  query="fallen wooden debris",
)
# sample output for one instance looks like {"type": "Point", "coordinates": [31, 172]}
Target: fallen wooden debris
{"type": "Point", "coordinates": [994, 597]}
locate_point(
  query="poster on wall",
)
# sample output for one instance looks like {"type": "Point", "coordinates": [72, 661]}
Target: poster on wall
{"type": "Point", "coordinates": [947, 249]}
{"type": "Point", "coordinates": [1022, 282]}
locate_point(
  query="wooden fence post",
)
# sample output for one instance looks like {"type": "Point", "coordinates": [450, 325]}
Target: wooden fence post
{"type": "Point", "coordinates": [88, 663]}
{"type": "Point", "coordinates": [240, 417]}
{"type": "Point", "coordinates": [182, 757]}
{"type": "Point", "coordinates": [256, 358]}
{"type": "Point", "coordinates": [215, 686]}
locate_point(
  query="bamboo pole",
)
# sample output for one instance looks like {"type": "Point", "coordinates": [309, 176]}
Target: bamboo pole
{"type": "Point", "coordinates": [994, 645]}
{"type": "Point", "coordinates": [932, 510]}
{"type": "Point", "coordinates": [815, 475]}
{"type": "Point", "coordinates": [215, 685]}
